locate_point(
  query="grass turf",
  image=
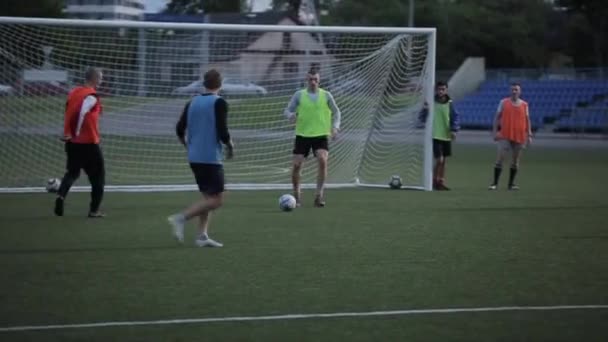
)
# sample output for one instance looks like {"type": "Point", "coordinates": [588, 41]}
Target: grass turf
{"type": "Point", "coordinates": [368, 250]}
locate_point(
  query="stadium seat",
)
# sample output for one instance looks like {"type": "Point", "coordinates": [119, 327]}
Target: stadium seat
{"type": "Point", "coordinates": [547, 98]}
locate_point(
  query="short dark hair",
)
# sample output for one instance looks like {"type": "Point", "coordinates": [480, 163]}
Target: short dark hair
{"type": "Point", "coordinates": [441, 84]}
{"type": "Point", "coordinates": [212, 79]}
{"type": "Point", "coordinates": [516, 84]}
{"type": "Point", "coordinates": [313, 70]}
{"type": "Point", "coordinates": [91, 74]}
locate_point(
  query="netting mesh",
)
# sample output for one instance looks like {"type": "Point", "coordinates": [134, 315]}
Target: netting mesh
{"type": "Point", "coordinates": [378, 80]}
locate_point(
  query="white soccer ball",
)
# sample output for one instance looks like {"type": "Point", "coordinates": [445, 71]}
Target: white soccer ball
{"type": "Point", "coordinates": [395, 182]}
{"type": "Point", "coordinates": [53, 184]}
{"type": "Point", "coordinates": [287, 202]}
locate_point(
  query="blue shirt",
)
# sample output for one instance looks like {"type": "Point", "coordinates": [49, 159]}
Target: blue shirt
{"type": "Point", "coordinates": [204, 145]}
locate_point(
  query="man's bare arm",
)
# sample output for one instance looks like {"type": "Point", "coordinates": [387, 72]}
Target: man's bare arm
{"type": "Point", "coordinates": [496, 120]}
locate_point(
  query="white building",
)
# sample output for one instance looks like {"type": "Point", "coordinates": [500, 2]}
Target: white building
{"type": "Point", "coordinates": [105, 9]}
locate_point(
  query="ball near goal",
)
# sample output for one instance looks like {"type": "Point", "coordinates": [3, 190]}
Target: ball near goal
{"type": "Point", "coordinates": [287, 202]}
{"type": "Point", "coordinates": [395, 182]}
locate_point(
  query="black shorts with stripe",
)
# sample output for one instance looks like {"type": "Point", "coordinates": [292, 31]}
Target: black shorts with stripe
{"type": "Point", "coordinates": [209, 178]}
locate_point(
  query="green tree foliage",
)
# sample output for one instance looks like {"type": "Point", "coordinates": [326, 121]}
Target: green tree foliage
{"type": "Point", "coordinates": [587, 31]}
{"type": "Point", "coordinates": [31, 8]}
{"type": "Point", "coordinates": [508, 33]}
{"type": "Point", "coordinates": [12, 48]}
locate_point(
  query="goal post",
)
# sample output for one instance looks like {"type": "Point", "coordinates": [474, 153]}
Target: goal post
{"type": "Point", "coordinates": [380, 78]}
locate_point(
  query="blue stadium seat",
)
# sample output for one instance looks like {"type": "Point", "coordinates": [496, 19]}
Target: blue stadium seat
{"type": "Point", "coordinates": [547, 98]}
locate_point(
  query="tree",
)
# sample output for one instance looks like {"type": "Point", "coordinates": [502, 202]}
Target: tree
{"type": "Point", "coordinates": [205, 6]}
{"type": "Point", "coordinates": [10, 40]}
{"type": "Point", "coordinates": [587, 19]}
{"type": "Point", "coordinates": [31, 8]}
{"type": "Point", "coordinates": [508, 33]}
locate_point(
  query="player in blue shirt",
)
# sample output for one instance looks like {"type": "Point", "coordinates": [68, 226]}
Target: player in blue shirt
{"type": "Point", "coordinates": [203, 129]}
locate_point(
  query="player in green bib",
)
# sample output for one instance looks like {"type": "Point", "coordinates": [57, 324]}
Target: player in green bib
{"type": "Point", "coordinates": [445, 126]}
{"type": "Point", "coordinates": [317, 118]}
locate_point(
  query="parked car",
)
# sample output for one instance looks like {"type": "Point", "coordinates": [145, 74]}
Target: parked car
{"type": "Point", "coordinates": [6, 90]}
{"type": "Point", "coordinates": [44, 88]}
{"type": "Point", "coordinates": [230, 87]}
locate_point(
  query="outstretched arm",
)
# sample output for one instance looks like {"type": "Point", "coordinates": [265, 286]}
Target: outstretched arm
{"type": "Point", "coordinates": [335, 111]}
{"type": "Point", "coordinates": [496, 121]}
{"type": "Point", "coordinates": [290, 111]}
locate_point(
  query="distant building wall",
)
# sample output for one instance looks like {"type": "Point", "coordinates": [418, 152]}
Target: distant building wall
{"type": "Point", "coordinates": [105, 9]}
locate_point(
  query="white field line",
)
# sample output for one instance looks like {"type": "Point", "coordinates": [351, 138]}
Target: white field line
{"type": "Point", "coordinates": [303, 316]}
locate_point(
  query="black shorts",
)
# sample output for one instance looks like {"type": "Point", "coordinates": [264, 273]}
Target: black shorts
{"type": "Point", "coordinates": [442, 148]}
{"type": "Point", "coordinates": [303, 145]}
{"type": "Point", "coordinates": [87, 157]}
{"type": "Point", "coordinates": [209, 178]}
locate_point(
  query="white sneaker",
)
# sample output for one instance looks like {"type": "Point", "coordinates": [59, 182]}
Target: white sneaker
{"type": "Point", "coordinates": [177, 222]}
{"type": "Point", "coordinates": [492, 187]}
{"type": "Point", "coordinates": [201, 242]}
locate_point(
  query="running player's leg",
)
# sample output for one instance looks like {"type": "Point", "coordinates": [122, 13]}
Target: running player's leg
{"type": "Point", "coordinates": [210, 181]}
{"type": "Point", "coordinates": [503, 148]}
{"type": "Point", "coordinates": [445, 152]}
{"type": "Point", "coordinates": [516, 150]}
{"type": "Point", "coordinates": [213, 195]}
{"type": "Point", "coordinates": [301, 150]}
{"type": "Point", "coordinates": [95, 169]}
{"type": "Point", "coordinates": [213, 202]}
{"type": "Point", "coordinates": [321, 151]}
{"type": "Point", "coordinates": [73, 166]}
{"type": "Point", "coordinates": [437, 156]}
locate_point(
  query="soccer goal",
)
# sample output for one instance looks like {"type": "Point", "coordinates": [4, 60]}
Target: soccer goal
{"type": "Point", "coordinates": [380, 77]}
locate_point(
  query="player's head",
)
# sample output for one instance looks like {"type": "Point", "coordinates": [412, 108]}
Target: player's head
{"type": "Point", "coordinates": [313, 79]}
{"type": "Point", "coordinates": [212, 80]}
{"type": "Point", "coordinates": [515, 90]}
{"type": "Point", "coordinates": [93, 77]}
{"type": "Point", "coordinates": [441, 89]}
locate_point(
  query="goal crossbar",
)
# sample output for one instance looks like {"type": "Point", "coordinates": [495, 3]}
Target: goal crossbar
{"type": "Point", "coordinates": [215, 27]}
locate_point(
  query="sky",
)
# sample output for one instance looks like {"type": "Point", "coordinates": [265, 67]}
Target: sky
{"type": "Point", "coordinates": [153, 6]}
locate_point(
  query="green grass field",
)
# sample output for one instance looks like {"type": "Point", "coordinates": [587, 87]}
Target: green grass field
{"type": "Point", "coordinates": [47, 110]}
{"type": "Point", "coordinates": [369, 250]}
{"type": "Point", "coordinates": [245, 112]}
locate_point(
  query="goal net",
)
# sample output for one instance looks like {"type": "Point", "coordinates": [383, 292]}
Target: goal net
{"type": "Point", "coordinates": [380, 78]}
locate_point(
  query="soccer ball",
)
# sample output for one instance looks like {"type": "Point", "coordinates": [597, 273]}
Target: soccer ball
{"type": "Point", "coordinates": [53, 184]}
{"type": "Point", "coordinates": [395, 182]}
{"type": "Point", "coordinates": [287, 202]}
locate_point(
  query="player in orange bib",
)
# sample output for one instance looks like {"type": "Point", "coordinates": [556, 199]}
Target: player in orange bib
{"type": "Point", "coordinates": [512, 131]}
